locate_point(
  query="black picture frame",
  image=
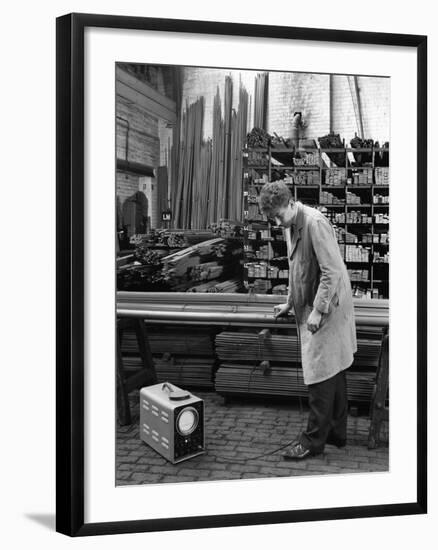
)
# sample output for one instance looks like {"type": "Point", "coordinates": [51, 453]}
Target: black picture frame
{"type": "Point", "coordinates": [70, 273]}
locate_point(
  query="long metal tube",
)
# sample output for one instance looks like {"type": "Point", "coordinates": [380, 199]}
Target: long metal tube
{"type": "Point", "coordinates": [238, 299]}
{"type": "Point", "coordinates": [215, 317]}
{"type": "Point", "coordinates": [210, 317]}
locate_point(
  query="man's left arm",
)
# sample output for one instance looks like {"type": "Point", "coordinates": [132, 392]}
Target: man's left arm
{"type": "Point", "coordinates": [330, 264]}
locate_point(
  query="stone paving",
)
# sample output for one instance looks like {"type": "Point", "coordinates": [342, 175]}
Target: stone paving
{"type": "Point", "coordinates": [237, 433]}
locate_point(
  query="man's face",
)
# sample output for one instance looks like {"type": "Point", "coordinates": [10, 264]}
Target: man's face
{"type": "Point", "coordinates": [283, 216]}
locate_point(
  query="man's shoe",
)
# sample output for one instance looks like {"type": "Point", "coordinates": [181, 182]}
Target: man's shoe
{"type": "Point", "coordinates": [298, 452]}
{"type": "Point", "coordinates": [336, 441]}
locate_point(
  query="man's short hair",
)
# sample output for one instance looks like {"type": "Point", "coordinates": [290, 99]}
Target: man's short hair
{"type": "Point", "coordinates": [273, 196]}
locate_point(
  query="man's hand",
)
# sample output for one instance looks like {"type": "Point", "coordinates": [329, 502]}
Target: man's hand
{"type": "Point", "coordinates": [281, 310]}
{"type": "Point", "coordinates": [314, 320]}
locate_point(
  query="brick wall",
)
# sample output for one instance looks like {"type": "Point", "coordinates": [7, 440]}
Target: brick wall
{"type": "Point", "coordinates": [305, 92]}
{"type": "Point", "coordinates": [374, 96]}
{"type": "Point", "coordinates": [140, 142]}
{"type": "Point", "coordinates": [143, 139]}
{"type": "Point", "coordinates": [126, 185]}
{"type": "Point", "coordinates": [375, 103]}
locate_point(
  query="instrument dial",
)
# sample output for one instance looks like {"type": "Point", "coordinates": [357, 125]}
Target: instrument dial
{"type": "Point", "coordinates": [187, 421]}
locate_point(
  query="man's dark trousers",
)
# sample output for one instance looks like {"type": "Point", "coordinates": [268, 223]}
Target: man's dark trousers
{"type": "Point", "coordinates": [328, 413]}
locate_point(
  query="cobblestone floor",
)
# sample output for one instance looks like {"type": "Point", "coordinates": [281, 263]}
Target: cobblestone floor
{"type": "Point", "coordinates": [237, 432]}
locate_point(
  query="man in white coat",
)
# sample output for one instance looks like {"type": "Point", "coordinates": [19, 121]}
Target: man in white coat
{"type": "Point", "coordinates": [320, 297]}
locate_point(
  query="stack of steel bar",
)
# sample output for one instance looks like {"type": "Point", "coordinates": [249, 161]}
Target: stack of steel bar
{"type": "Point", "coordinates": [241, 354]}
{"type": "Point", "coordinates": [182, 371]}
{"type": "Point", "coordinates": [240, 379]}
{"type": "Point", "coordinates": [215, 176]}
{"type": "Point", "coordinates": [257, 311]}
{"type": "Point", "coordinates": [232, 309]}
{"type": "Point", "coordinates": [204, 261]}
{"type": "Point", "coordinates": [247, 346]}
{"type": "Point", "coordinates": [236, 346]}
{"type": "Point", "coordinates": [232, 285]}
{"type": "Point", "coordinates": [206, 175]}
{"type": "Point", "coordinates": [238, 135]}
{"type": "Point", "coordinates": [179, 238]}
{"type": "Point", "coordinates": [225, 165]}
{"type": "Point", "coordinates": [183, 356]}
{"type": "Point", "coordinates": [261, 100]}
{"type": "Point", "coordinates": [186, 371]}
{"type": "Point", "coordinates": [175, 340]}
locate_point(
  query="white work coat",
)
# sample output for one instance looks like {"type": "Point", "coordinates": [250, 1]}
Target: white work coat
{"type": "Point", "coordinates": [318, 279]}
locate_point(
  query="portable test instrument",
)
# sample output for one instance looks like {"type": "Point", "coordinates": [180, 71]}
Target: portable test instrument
{"type": "Point", "coordinates": [172, 421]}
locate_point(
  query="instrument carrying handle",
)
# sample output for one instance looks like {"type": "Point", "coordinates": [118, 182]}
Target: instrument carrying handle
{"type": "Point", "coordinates": [166, 386]}
{"type": "Point", "coordinates": [176, 394]}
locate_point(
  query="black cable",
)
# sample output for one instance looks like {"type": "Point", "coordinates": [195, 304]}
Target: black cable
{"type": "Point", "coordinates": [231, 459]}
{"type": "Point", "coordinates": [261, 354]}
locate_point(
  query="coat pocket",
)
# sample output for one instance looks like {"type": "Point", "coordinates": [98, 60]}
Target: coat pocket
{"type": "Point", "coordinates": [333, 304]}
{"type": "Point", "coordinates": [335, 300]}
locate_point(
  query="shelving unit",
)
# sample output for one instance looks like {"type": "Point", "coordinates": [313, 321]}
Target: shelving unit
{"type": "Point", "coordinates": [354, 197]}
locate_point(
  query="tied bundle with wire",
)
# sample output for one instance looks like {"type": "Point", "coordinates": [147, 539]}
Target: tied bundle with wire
{"type": "Point", "coordinates": [174, 240]}
{"type": "Point", "coordinates": [258, 138]}
{"type": "Point", "coordinates": [363, 157]}
{"type": "Point", "coordinates": [381, 158]}
{"type": "Point", "coordinates": [146, 256]}
{"type": "Point", "coordinates": [279, 142]}
{"type": "Point", "coordinates": [333, 141]}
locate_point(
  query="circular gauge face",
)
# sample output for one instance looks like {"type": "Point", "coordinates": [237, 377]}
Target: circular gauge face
{"type": "Point", "coordinates": [187, 421]}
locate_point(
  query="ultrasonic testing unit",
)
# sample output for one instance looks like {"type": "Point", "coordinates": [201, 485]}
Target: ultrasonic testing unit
{"type": "Point", "coordinates": [172, 421]}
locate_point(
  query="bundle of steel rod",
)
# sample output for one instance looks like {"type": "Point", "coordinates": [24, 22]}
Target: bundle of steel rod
{"type": "Point", "coordinates": [204, 261]}
{"type": "Point", "coordinates": [182, 355]}
{"type": "Point", "coordinates": [181, 260]}
{"type": "Point", "coordinates": [333, 141]}
{"type": "Point", "coordinates": [258, 138]}
{"type": "Point", "coordinates": [182, 371]}
{"type": "Point", "coordinates": [206, 174]}
{"type": "Point", "coordinates": [247, 346]}
{"type": "Point", "coordinates": [217, 141]}
{"type": "Point", "coordinates": [233, 285]}
{"type": "Point", "coordinates": [261, 100]}
{"type": "Point", "coordinates": [186, 371]}
{"type": "Point", "coordinates": [203, 287]}
{"type": "Point", "coordinates": [176, 341]}
{"type": "Point", "coordinates": [223, 190]}
{"type": "Point", "coordinates": [238, 133]}
{"type": "Point", "coordinates": [177, 238]}
{"type": "Point", "coordinates": [206, 271]}
{"type": "Point", "coordinates": [233, 309]}
{"type": "Point", "coordinates": [201, 220]}
{"type": "Point", "coordinates": [232, 378]}
{"type": "Point", "coordinates": [189, 159]}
